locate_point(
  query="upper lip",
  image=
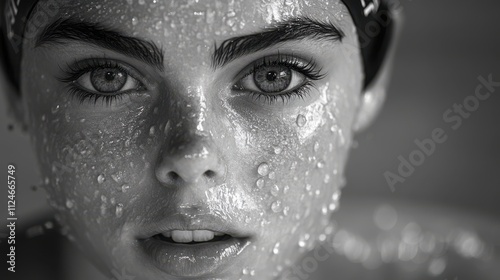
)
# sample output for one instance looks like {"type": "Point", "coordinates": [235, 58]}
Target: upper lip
{"type": "Point", "coordinates": [180, 221]}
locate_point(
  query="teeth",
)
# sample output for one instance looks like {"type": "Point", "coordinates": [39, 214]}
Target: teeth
{"type": "Point", "coordinates": [186, 236]}
{"type": "Point", "coordinates": [203, 235]}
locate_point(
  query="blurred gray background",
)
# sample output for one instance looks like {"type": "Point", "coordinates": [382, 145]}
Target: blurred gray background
{"type": "Point", "coordinates": [446, 45]}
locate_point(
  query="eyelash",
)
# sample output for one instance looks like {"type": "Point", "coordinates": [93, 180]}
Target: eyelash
{"type": "Point", "coordinates": [309, 70]}
{"type": "Point", "coordinates": [78, 68]}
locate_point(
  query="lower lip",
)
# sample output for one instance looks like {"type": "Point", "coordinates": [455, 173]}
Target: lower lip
{"type": "Point", "coordinates": [191, 260]}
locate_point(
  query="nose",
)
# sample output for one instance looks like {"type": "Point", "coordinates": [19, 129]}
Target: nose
{"type": "Point", "coordinates": [187, 159]}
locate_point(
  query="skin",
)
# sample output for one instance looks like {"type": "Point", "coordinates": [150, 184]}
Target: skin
{"type": "Point", "coordinates": [106, 168]}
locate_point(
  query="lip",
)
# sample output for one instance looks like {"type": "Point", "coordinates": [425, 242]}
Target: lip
{"type": "Point", "coordinates": [193, 260]}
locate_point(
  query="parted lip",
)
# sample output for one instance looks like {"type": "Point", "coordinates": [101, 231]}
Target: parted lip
{"type": "Point", "coordinates": [190, 222]}
{"type": "Point", "coordinates": [195, 259]}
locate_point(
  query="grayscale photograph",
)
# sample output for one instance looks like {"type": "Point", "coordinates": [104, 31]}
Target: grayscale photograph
{"type": "Point", "coordinates": [250, 140]}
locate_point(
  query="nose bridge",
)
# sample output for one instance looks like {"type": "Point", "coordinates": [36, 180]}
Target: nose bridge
{"type": "Point", "coordinates": [189, 152]}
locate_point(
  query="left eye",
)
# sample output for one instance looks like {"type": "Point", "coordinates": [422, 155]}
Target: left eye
{"type": "Point", "coordinates": [107, 80]}
{"type": "Point", "coordinates": [271, 79]}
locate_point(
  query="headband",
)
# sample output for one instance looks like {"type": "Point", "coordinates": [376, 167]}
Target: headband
{"type": "Point", "coordinates": [372, 19]}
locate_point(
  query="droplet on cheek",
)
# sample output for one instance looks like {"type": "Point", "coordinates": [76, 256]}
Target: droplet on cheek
{"type": "Point", "coordinates": [316, 146]}
{"type": "Point", "coordinates": [119, 210]}
{"type": "Point", "coordinates": [276, 206]}
{"type": "Point", "coordinates": [263, 169]}
{"type": "Point", "coordinates": [125, 188]}
{"type": "Point", "coordinates": [301, 120]}
{"type": "Point", "coordinates": [260, 183]}
{"type": "Point", "coordinates": [55, 109]}
{"type": "Point", "coordinates": [100, 178]}
{"type": "Point", "coordinates": [276, 248]}
{"type": "Point", "coordinates": [275, 190]}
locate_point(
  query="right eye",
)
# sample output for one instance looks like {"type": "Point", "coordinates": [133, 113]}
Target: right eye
{"type": "Point", "coordinates": [96, 78]}
{"type": "Point", "coordinates": [108, 81]}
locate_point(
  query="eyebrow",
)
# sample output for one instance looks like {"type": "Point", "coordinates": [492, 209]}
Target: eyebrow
{"type": "Point", "coordinates": [296, 28]}
{"type": "Point", "coordinates": [63, 30]}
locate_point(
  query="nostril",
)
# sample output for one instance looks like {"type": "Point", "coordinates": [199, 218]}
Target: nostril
{"type": "Point", "coordinates": [174, 177]}
{"type": "Point", "coordinates": [209, 174]}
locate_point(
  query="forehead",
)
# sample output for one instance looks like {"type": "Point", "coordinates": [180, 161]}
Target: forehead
{"type": "Point", "coordinates": [190, 20]}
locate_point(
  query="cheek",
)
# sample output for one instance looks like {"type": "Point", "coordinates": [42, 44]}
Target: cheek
{"type": "Point", "coordinates": [91, 164]}
{"type": "Point", "coordinates": [297, 161]}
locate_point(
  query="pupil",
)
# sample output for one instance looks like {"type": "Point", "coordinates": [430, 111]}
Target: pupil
{"type": "Point", "coordinates": [271, 76]}
{"type": "Point", "coordinates": [109, 76]}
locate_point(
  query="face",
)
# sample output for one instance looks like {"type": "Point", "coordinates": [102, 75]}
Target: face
{"type": "Point", "coordinates": [169, 155]}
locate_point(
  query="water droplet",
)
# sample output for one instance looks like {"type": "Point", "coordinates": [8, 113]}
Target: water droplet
{"type": "Point", "coordinates": [285, 189]}
{"type": "Point", "coordinates": [277, 150]}
{"type": "Point", "coordinates": [245, 271]}
{"type": "Point", "coordinates": [152, 130]}
{"type": "Point", "coordinates": [125, 188]}
{"type": "Point", "coordinates": [69, 204]}
{"type": "Point", "coordinates": [252, 272]}
{"type": "Point", "coordinates": [276, 248]}
{"type": "Point", "coordinates": [43, 118]}
{"type": "Point", "coordinates": [276, 206]}
{"type": "Point", "coordinates": [260, 183]}
{"type": "Point", "coordinates": [158, 25]}
{"type": "Point", "coordinates": [275, 190]}
{"type": "Point", "coordinates": [327, 179]}
{"type": "Point", "coordinates": [119, 210]}
{"type": "Point", "coordinates": [336, 196]}
{"type": "Point", "coordinates": [320, 164]}
{"type": "Point", "coordinates": [316, 146]}
{"type": "Point", "coordinates": [55, 109]}
{"type": "Point", "coordinates": [263, 169]}
{"type": "Point", "coordinates": [302, 243]}
{"type": "Point", "coordinates": [308, 187]}
{"type": "Point", "coordinates": [301, 120]}
{"type": "Point", "coordinates": [286, 210]}
{"type": "Point", "coordinates": [46, 180]}
{"type": "Point", "coordinates": [324, 210]}
{"type": "Point", "coordinates": [332, 206]}
{"type": "Point", "coordinates": [115, 177]}
{"type": "Point", "coordinates": [100, 179]}
{"type": "Point", "coordinates": [134, 21]}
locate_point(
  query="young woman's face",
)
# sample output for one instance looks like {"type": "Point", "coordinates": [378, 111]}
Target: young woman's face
{"type": "Point", "coordinates": [187, 144]}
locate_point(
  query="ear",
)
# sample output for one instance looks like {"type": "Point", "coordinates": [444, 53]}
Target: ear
{"type": "Point", "coordinates": [373, 96]}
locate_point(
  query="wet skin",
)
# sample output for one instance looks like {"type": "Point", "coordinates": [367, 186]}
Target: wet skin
{"type": "Point", "coordinates": [181, 145]}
